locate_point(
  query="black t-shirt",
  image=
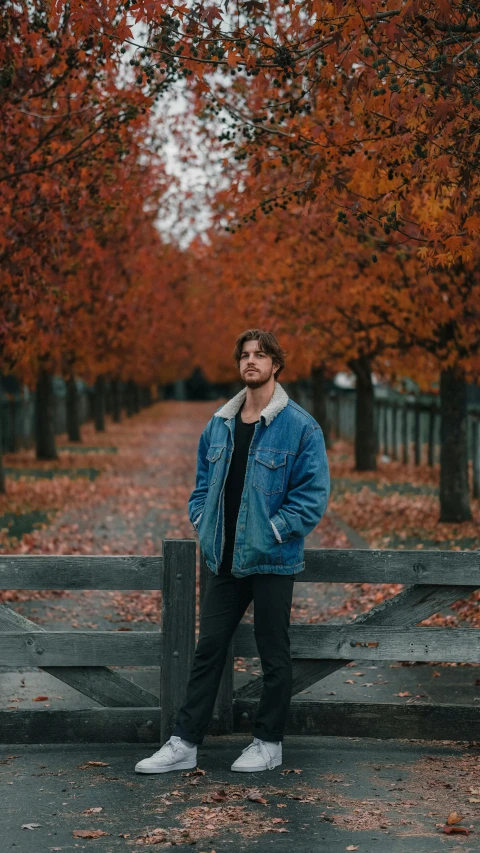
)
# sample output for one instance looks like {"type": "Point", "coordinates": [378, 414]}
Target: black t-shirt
{"type": "Point", "coordinates": [234, 486]}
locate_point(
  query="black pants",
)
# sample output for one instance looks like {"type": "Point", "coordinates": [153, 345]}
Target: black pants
{"type": "Point", "coordinates": [225, 602]}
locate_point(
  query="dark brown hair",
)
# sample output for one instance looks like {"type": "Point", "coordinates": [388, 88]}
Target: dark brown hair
{"type": "Point", "coordinates": [267, 343]}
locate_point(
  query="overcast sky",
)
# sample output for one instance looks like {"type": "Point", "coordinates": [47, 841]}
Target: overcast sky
{"type": "Point", "coordinates": [186, 210]}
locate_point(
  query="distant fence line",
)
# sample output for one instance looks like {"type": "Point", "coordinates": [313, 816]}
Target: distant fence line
{"type": "Point", "coordinates": [17, 411]}
{"type": "Point", "coordinates": [407, 430]}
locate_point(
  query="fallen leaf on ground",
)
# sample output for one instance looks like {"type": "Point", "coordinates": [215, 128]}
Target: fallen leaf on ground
{"type": "Point", "coordinates": [40, 699]}
{"type": "Point", "coordinates": [256, 797]}
{"type": "Point", "coordinates": [95, 810]}
{"type": "Point", "coordinates": [351, 847]}
{"type": "Point", "coordinates": [92, 764]}
{"type": "Point", "coordinates": [89, 833]}
{"type": "Point", "coordinates": [460, 830]}
{"type": "Point", "coordinates": [31, 825]}
{"type": "Point", "coordinates": [454, 817]}
{"type": "Point", "coordinates": [406, 693]}
{"type": "Point", "coordinates": [215, 796]}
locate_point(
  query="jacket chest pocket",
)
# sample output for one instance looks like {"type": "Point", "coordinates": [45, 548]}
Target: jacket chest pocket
{"type": "Point", "coordinates": [214, 456]}
{"type": "Point", "coordinates": [269, 472]}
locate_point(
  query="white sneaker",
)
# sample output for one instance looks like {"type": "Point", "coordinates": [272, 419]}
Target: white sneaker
{"type": "Point", "coordinates": [259, 755]}
{"type": "Point", "coordinates": [175, 754]}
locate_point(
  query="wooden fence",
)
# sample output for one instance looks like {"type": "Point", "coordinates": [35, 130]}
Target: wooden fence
{"type": "Point", "coordinates": [433, 580]}
{"type": "Point", "coordinates": [128, 713]}
{"type": "Point", "coordinates": [407, 430]}
{"type": "Point", "coordinates": [81, 658]}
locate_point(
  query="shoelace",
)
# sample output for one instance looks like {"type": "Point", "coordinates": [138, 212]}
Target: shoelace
{"type": "Point", "coordinates": [172, 744]}
{"type": "Point", "coordinates": [260, 746]}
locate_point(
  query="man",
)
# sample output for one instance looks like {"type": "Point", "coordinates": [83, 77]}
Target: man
{"type": "Point", "coordinates": [262, 485]}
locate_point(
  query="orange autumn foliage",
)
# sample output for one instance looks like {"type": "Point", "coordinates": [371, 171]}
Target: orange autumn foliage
{"type": "Point", "coordinates": [87, 284]}
{"type": "Point", "coordinates": [372, 104]}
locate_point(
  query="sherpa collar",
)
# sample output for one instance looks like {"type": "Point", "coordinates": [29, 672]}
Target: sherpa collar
{"type": "Point", "coordinates": [277, 403]}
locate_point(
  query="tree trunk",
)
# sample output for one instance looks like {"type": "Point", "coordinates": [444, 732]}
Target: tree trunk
{"type": "Point", "coordinates": [108, 398]}
{"type": "Point", "coordinates": [116, 403]}
{"type": "Point", "coordinates": [320, 402]}
{"type": "Point", "coordinates": [129, 394]}
{"type": "Point", "coordinates": [100, 404]}
{"type": "Point", "coordinates": [454, 494]}
{"type": "Point", "coordinates": [73, 410]}
{"type": "Point", "coordinates": [45, 416]}
{"type": "Point", "coordinates": [365, 433]}
{"type": "Point", "coordinates": [137, 403]}
{"type": "Point", "coordinates": [2, 473]}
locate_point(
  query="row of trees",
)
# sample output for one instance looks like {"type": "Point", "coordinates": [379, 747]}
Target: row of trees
{"type": "Point", "coordinates": [87, 286]}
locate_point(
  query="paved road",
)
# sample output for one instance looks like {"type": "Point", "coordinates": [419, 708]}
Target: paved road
{"type": "Point", "coordinates": [330, 794]}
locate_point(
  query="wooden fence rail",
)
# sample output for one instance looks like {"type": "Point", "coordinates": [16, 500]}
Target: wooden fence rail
{"type": "Point", "coordinates": [129, 713]}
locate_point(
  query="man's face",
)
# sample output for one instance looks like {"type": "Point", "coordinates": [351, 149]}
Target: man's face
{"type": "Point", "coordinates": [256, 367]}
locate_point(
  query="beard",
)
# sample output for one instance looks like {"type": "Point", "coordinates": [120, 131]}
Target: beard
{"type": "Point", "coordinates": [256, 380]}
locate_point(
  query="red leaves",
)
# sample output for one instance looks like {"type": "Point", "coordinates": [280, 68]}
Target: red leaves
{"type": "Point", "coordinates": [454, 818]}
{"type": "Point", "coordinates": [260, 32]}
{"type": "Point", "coordinates": [459, 830]}
{"type": "Point", "coordinates": [452, 827]}
{"type": "Point", "coordinates": [211, 14]}
{"type": "Point", "coordinates": [254, 6]}
{"type": "Point", "coordinates": [256, 797]}
{"type": "Point", "coordinates": [89, 833]}
{"type": "Point", "coordinates": [368, 4]}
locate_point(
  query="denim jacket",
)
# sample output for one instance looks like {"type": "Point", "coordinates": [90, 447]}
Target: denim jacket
{"type": "Point", "coordinates": [285, 492]}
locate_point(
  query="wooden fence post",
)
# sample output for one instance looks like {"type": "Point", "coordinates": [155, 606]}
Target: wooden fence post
{"type": "Point", "coordinates": [418, 438]}
{"type": "Point", "coordinates": [476, 457]}
{"type": "Point", "coordinates": [337, 416]}
{"type": "Point", "coordinates": [222, 716]}
{"type": "Point", "coordinates": [431, 435]}
{"type": "Point", "coordinates": [405, 434]}
{"type": "Point", "coordinates": [178, 628]}
{"type": "Point", "coordinates": [394, 432]}
{"type": "Point", "coordinates": [377, 419]}
{"type": "Point", "coordinates": [385, 428]}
